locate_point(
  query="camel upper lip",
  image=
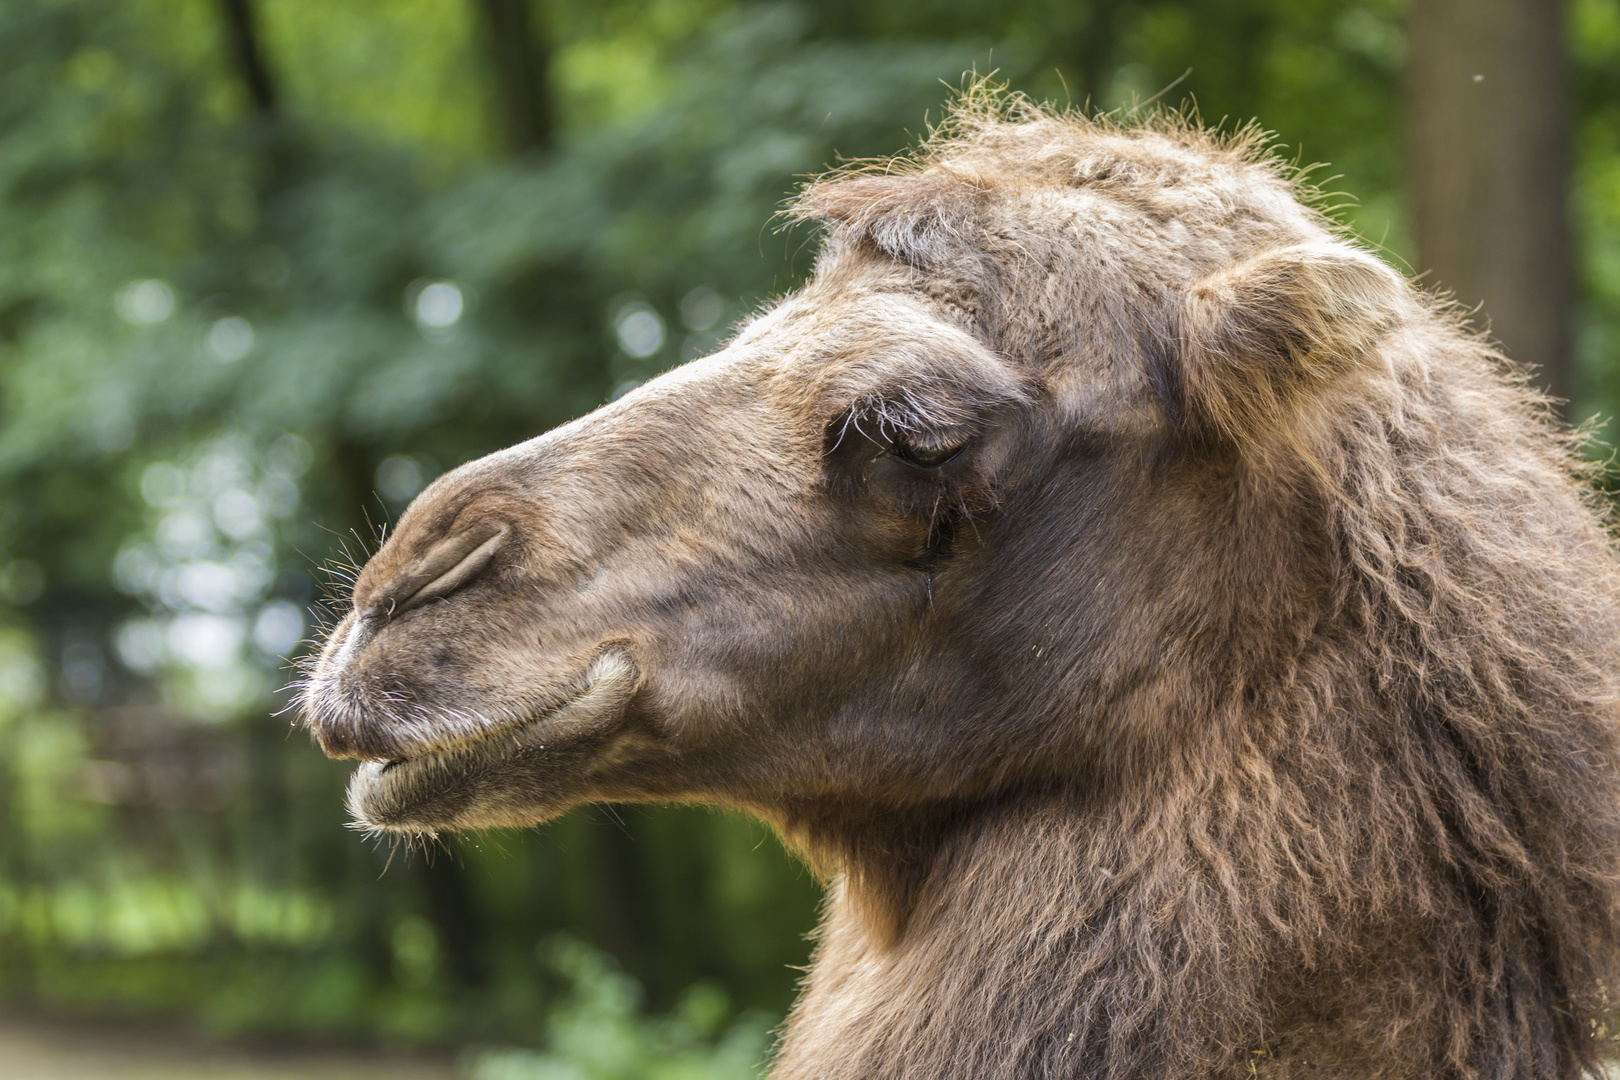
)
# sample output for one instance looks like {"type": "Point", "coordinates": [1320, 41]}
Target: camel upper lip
{"type": "Point", "coordinates": [581, 685]}
{"type": "Point", "coordinates": [395, 793]}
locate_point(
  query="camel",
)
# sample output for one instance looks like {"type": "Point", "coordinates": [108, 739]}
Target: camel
{"type": "Point", "coordinates": [1181, 648]}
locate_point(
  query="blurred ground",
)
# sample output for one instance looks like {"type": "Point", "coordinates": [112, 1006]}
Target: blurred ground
{"type": "Point", "coordinates": [32, 1048]}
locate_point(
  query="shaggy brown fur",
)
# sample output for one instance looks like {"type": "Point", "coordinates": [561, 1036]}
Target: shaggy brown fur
{"type": "Point", "coordinates": [1184, 650]}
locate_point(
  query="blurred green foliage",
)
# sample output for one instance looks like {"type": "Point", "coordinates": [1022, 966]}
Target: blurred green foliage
{"type": "Point", "coordinates": [596, 1031]}
{"type": "Point", "coordinates": [234, 341]}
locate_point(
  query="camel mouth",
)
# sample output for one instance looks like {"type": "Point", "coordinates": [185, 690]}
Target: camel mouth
{"type": "Point", "coordinates": [480, 781]}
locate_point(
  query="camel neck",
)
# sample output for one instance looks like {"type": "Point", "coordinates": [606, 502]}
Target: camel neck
{"type": "Point", "coordinates": [1029, 939]}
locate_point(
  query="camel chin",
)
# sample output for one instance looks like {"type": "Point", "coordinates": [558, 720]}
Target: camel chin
{"type": "Point", "coordinates": [498, 777]}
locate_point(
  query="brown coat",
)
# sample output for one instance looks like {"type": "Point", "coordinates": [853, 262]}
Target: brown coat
{"type": "Point", "coordinates": [1184, 651]}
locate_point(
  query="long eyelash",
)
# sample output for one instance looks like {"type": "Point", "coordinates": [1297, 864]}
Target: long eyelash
{"type": "Point", "coordinates": [905, 412]}
{"type": "Point", "coordinates": [843, 429]}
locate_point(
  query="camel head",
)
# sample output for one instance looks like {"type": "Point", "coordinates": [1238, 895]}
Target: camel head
{"type": "Point", "coordinates": [959, 515]}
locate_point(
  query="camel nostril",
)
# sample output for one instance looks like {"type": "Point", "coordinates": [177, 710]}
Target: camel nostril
{"type": "Point", "coordinates": [445, 568]}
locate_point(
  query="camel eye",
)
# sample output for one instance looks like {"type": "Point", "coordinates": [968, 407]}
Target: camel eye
{"type": "Point", "coordinates": [928, 451]}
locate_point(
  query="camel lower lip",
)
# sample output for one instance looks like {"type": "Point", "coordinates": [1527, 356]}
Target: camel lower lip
{"type": "Point", "coordinates": [449, 787]}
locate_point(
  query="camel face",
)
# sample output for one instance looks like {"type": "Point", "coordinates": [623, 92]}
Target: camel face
{"type": "Point", "coordinates": [674, 596]}
{"type": "Point", "coordinates": [922, 531]}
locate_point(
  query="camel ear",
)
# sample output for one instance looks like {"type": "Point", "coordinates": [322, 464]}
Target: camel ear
{"type": "Point", "coordinates": [1259, 338]}
{"type": "Point", "coordinates": [911, 216]}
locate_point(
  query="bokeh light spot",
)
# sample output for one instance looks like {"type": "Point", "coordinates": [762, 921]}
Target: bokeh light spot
{"type": "Point", "coordinates": [237, 514]}
{"type": "Point", "coordinates": [399, 478]}
{"type": "Point", "coordinates": [230, 339]}
{"type": "Point", "coordinates": [439, 305]}
{"type": "Point", "coordinates": [289, 456]}
{"type": "Point", "coordinates": [144, 302]}
{"type": "Point", "coordinates": [701, 308]}
{"type": "Point", "coordinates": [141, 646]}
{"type": "Point", "coordinates": [279, 628]}
{"type": "Point", "coordinates": [640, 329]}
{"type": "Point", "coordinates": [205, 640]}
{"type": "Point", "coordinates": [162, 484]}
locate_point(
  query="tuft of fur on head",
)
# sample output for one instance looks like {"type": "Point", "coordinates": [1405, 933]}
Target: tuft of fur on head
{"type": "Point", "coordinates": [916, 203]}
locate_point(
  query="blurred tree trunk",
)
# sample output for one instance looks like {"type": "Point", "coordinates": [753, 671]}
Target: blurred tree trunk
{"type": "Point", "coordinates": [243, 30]}
{"type": "Point", "coordinates": [1488, 159]}
{"type": "Point", "coordinates": [520, 65]}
